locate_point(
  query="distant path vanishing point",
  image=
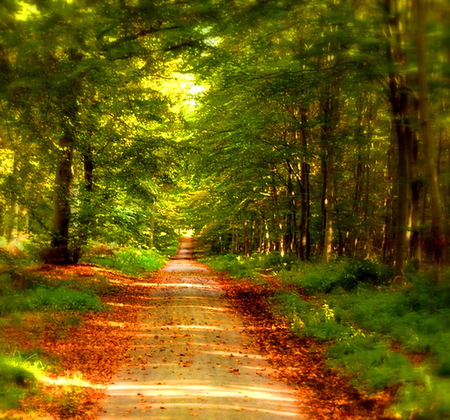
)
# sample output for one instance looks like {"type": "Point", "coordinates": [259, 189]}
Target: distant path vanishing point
{"type": "Point", "coordinates": [191, 358]}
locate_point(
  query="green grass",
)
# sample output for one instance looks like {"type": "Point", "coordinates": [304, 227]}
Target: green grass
{"type": "Point", "coordinates": [370, 328]}
{"type": "Point", "coordinates": [235, 265]}
{"type": "Point", "coordinates": [19, 376]}
{"type": "Point", "coordinates": [24, 291]}
{"type": "Point", "coordinates": [130, 261]}
{"type": "Point", "coordinates": [252, 267]}
{"type": "Point", "coordinates": [43, 298]}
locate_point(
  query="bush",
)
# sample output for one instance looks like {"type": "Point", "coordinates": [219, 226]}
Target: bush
{"type": "Point", "coordinates": [307, 319]}
{"type": "Point", "coordinates": [15, 278]}
{"type": "Point", "coordinates": [313, 278]}
{"type": "Point", "coordinates": [274, 261]}
{"type": "Point", "coordinates": [359, 272]}
{"type": "Point", "coordinates": [345, 274]}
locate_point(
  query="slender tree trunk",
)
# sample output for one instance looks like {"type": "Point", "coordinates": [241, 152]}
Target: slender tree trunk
{"type": "Point", "coordinates": [400, 99]}
{"type": "Point", "coordinates": [152, 225]}
{"type": "Point", "coordinates": [12, 207]}
{"type": "Point", "coordinates": [305, 206]}
{"type": "Point", "coordinates": [437, 208]}
{"type": "Point", "coordinates": [403, 209]}
{"type": "Point", "coordinates": [85, 219]}
{"type": "Point", "coordinates": [330, 119]}
{"type": "Point", "coordinates": [328, 203]}
{"type": "Point", "coordinates": [290, 222]}
{"type": "Point", "coordinates": [246, 239]}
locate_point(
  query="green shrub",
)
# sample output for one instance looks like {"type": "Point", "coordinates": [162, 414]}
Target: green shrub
{"type": "Point", "coordinates": [274, 261]}
{"type": "Point", "coordinates": [307, 319]}
{"type": "Point", "coordinates": [64, 299]}
{"type": "Point", "coordinates": [236, 266]}
{"type": "Point", "coordinates": [423, 400]}
{"type": "Point", "coordinates": [131, 261]}
{"type": "Point", "coordinates": [345, 274]}
{"type": "Point", "coordinates": [15, 278]}
{"type": "Point", "coordinates": [357, 272]}
{"type": "Point", "coordinates": [313, 278]}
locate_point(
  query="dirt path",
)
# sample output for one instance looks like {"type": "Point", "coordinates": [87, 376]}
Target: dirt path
{"type": "Point", "coordinates": [191, 358]}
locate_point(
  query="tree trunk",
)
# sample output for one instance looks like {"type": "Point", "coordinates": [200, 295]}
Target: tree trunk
{"type": "Point", "coordinates": [328, 203]}
{"type": "Point", "coordinates": [305, 206]}
{"type": "Point", "coordinates": [62, 208]}
{"type": "Point", "coordinates": [400, 99]}
{"type": "Point", "coordinates": [246, 239]}
{"type": "Point", "coordinates": [437, 209]}
{"type": "Point", "coordinates": [290, 220]}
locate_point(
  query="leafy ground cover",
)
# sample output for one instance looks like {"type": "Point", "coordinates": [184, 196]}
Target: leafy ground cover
{"type": "Point", "coordinates": [64, 332]}
{"type": "Point", "coordinates": [131, 261]}
{"type": "Point", "coordinates": [300, 361]}
{"type": "Point", "coordinates": [382, 337]}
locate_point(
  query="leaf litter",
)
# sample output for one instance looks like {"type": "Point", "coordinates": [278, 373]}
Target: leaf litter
{"type": "Point", "coordinates": [96, 348]}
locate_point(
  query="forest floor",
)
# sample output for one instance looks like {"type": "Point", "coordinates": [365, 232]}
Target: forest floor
{"type": "Point", "coordinates": [186, 342]}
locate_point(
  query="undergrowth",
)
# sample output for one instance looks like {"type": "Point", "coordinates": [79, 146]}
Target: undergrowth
{"type": "Point", "coordinates": [252, 267]}
{"type": "Point", "coordinates": [130, 261]}
{"type": "Point", "coordinates": [378, 334]}
{"type": "Point", "coordinates": [24, 296]}
{"type": "Point", "coordinates": [22, 291]}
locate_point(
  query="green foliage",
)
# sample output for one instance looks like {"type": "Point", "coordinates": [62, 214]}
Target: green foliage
{"type": "Point", "coordinates": [50, 299]}
{"type": "Point", "coordinates": [371, 362]}
{"type": "Point", "coordinates": [236, 266]}
{"type": "Point", "coordinates": [273, 261]}
{"type": "Point", "coordinates": [308, 319]}
{"type": "Point", "coordinates": [22, 290]}
{"type": "Point", "coordinates": [418, 317]}
{"type": "Point", "coordinates": [131, 261]}
{"type": "Point", "coordinates": [424, 400]}
{"type": "Point", "coordinates": [16, 278]}
{"type": "Point", "coordinates": [313, 278]}
{"type": "Point", "coordinates": [359, 272]}
{"type": "Point", "coordinates": [18, 377]}
{"type": "Point", "coordinates": [325, 277]}
{"type": "Point", "coordinates": [360, 318]}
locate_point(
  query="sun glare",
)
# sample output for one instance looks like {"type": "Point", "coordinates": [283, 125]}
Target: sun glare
{"type": "Point", "coordinates": [26, 11]}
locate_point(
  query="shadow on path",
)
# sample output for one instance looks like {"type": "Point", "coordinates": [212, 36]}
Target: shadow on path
{"type": "Point", "coordinates": [191, 359]}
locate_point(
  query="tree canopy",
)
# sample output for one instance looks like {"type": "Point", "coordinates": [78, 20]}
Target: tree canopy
{"type": "Point", "coordinates": [315, 129]}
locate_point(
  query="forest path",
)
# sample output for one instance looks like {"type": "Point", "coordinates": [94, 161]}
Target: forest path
{"type": "Point", "coordinates": [191, 358]}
